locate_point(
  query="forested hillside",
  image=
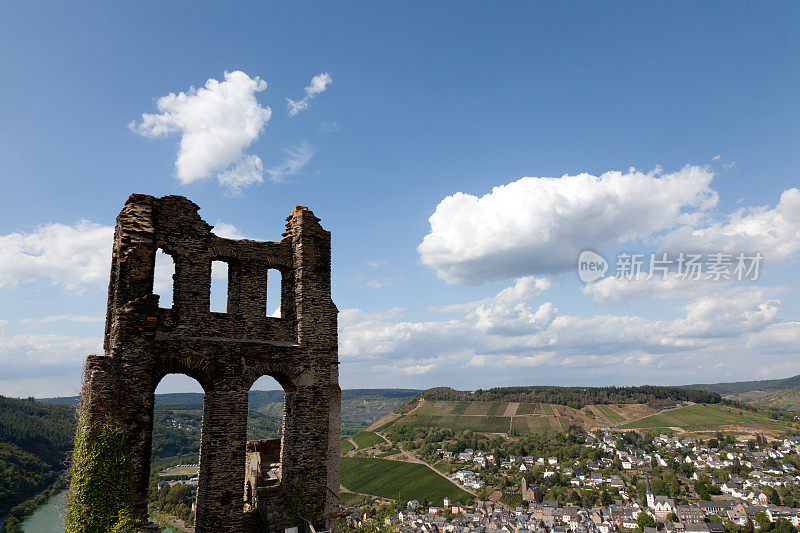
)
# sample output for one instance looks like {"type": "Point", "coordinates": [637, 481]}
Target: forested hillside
{"type": "Point", "coordinates": [178, 416]}
{"type": "Point", "coordinates": [35, 439]}
{"type": "Point", "coordinates": [576, 397]}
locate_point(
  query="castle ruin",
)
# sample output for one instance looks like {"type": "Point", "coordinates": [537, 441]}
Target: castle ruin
{"type": "Point", "coordinates": [273, 484]}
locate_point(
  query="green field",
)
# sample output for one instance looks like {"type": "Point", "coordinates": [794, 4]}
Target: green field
{"type": "Point", "coordinates": [365, 439]}
{"type": "Point", "coordinates": [481, 424]}
{"type": "Point", "coordinates": [487, 417]}
{"type": "Point", "coordinates": [462, 408]}
{"type": "Point", "coordinates": [534, 409]}
{"type": "Point", "coordinates": [387, 425]}
{"type": "Point", "coordinates": [512, 499]}
{"type": "Point", "coordinates": [610, 413]}
{"type": "Point", "coordinates": [537, 424]}
{"type": "Point", "coordinates": [701, 417]}
{"type": "Point", "coordinates": [398, 480]}
{"type": "Point", "coordinates": [346, 446]}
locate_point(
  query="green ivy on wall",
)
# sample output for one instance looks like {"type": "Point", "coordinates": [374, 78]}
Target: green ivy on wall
{"type": "Point", "coordinates": [100, 495]}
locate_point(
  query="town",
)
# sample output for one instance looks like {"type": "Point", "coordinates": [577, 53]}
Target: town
{"type": "Point", "coordinates": [602, 481]}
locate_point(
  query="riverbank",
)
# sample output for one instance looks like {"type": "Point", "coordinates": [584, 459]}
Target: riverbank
{"type": "Point", "coordinates": [20, 513]}
{"type": "Point", "coordinates": [48, 517]}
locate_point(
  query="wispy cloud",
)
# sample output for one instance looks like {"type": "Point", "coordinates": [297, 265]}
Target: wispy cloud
{"type": "Point", "coordinates": [377, 283]}
{"type": "Point", "coordinates": [319, 84]}
{"type": "Point", "coordinates": [62, 318]}
{"type": "Point", "coordinates": [297, 157]}
{"type": "Point", "coordinates": [328, 127]}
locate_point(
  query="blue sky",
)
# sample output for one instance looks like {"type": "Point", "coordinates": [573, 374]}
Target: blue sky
{"type": "Point", "coordinates": [424, 100]}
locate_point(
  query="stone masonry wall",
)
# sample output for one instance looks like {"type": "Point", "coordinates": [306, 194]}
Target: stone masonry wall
{"type": "Point", "coordinates": [225, 353]}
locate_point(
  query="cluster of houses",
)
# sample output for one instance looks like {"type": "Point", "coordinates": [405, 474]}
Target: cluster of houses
{"type": "Point", "coordinates": [548, 517]}
{"type": "Point", "coordinates": [741, 500]}
{"type": "Point", "coordinates": [488, 517]}
{"type": "Point", "coordinates": [185, 425]}
{"type": "Point", "coordinates": [469, 479]}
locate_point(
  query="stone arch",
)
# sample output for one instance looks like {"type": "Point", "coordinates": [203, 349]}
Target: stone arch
{"type": "Point", "coordinates": [264, 458]}
{"type": "Point", "coordinates": [156, 410]}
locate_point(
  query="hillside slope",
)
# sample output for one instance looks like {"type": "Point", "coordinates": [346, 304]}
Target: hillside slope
{"type": "Point", "coordinates": [526, 410]}
{"type": "Point", "coordinates": [783, 393]}
{"type": "Point", "coordinates": [35, 440]}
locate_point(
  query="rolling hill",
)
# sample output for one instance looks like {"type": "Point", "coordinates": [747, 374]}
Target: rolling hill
{"type": "Point", "coordinates": [512, 417]}
{"type": "Point", "coordinates": [526, 410]}
{"type": "Point", "coordinates": [360, 407]}
{"type": "Point", "coordinates": [710, 418]}
{"type": "Point", "coordinates": [782, 393]}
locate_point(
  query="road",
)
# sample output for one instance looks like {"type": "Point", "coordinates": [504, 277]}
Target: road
{"type": "Point", "coordinates": [414, 459]}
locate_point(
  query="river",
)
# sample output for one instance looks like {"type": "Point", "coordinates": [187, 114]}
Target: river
{"type": "Point", "coordinates": [49, 518]}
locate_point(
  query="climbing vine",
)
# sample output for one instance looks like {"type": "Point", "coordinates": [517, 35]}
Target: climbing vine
{"type": "Point", "coordinates": [100, 496]}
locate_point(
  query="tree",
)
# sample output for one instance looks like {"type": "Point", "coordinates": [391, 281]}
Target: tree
{"type": "Point", "coordinates": [772, 495]}
{"type": "Point", "coordinates": [784, 526]}
{"type": "Point", "coordinates": [672, 517]}
{"type": "Point", "coordinates": [763, 522]}
{"type": "Point", "coordinates": [12, 525]}
{"type": "Point", "coordinates": [645, 520]}
{"type": "Point", "coordinates": [702, 490]}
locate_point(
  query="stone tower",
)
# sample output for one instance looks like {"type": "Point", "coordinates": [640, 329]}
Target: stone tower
{"type": "Point", "coordinates": [226, 353]}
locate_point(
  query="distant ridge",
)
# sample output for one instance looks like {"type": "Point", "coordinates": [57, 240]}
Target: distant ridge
{"type": "Point", "coordinates": [738, 387]}
{"type": "Point", "coordinates": [196, 398]}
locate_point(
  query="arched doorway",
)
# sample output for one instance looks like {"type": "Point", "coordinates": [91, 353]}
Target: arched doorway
{"type": "Point", "coordinates": [175, 447]}
{"type": "Point", "coordinates": [263, 454]}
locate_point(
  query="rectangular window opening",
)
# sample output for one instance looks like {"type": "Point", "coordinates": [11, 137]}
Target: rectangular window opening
{"type": "Point", "coordinates": [274, 284]}
{"type": "Point", "coordinates": [163, 278]}
{"type": "Point", "coordinates": [219, 287]}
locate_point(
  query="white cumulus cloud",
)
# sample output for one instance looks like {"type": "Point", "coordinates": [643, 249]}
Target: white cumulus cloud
{"type": "Point", "coordinates": [540, 225]}
{"type": "Point", "coordinates": [514, 341]}
{"type": "Point", "coordinates": [774, 232]}
{"type": "Point", "coordinates": [319, 84]}
{"type": "Point", "coordinates": [76, 257]}
{"type": "Point", "coordinates": [227, 230]}
{"type": "Point", "coordinates": [217, 123]}
{"type": "Point", "coordinates": [615, 291]}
